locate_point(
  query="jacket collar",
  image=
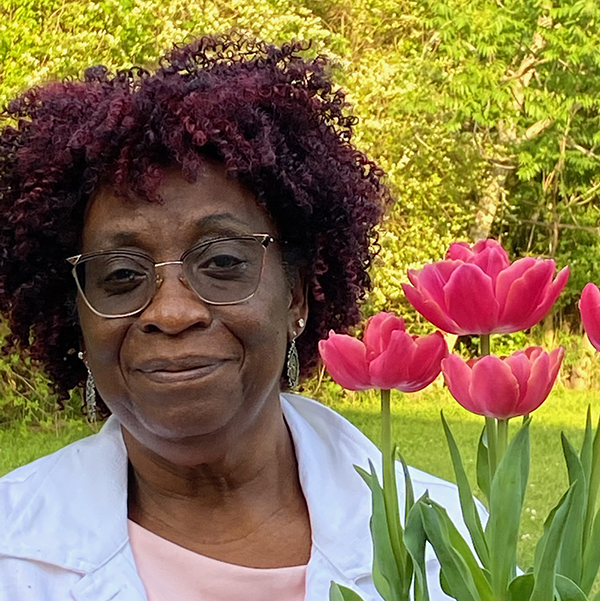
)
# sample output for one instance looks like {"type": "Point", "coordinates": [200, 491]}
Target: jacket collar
{"type": "Point", "coordinates": [75, 511]}
{"type": "Point", "coordinates": [339, 501]}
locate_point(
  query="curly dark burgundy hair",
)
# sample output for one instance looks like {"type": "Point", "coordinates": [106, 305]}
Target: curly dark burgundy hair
{"type": "Point", "coordinates": [272, 117]}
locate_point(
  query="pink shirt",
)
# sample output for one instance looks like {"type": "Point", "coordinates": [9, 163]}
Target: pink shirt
{"type": "Point", "coordinates": [171, 573]}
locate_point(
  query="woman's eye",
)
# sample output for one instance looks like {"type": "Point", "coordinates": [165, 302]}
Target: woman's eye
{"type": "Point", "coordinates": [223, 267]}
{"type": "Point", "coordinates": [223, 262]}
{"type": "Point", "coordinates": [122, 280]}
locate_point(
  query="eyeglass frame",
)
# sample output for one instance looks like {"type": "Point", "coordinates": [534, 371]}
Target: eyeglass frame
{"type": "Point", "coordinates": [264, 239]}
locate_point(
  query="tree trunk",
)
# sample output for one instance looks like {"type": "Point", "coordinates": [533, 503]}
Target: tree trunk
{"type": "Point", "coordinates": [491, 198]}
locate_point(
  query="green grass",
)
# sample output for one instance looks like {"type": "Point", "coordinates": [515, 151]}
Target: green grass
{"type": "Point", "coordinates": [20, 445]}
{"type": "Point", "coordinates": [416, 429]}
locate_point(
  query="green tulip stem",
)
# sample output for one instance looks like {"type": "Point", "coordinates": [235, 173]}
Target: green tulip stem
{"type": "Point", "coordinates": [390, 493]}
{"type": "Point", "coordinates": [484, 345]}
{"type": "Point", "coordinates": [490, 423]}
{"type": "Point", "coordinates": [492, 444]}
{"type": "Point", "coordinates": [386, 450]}
{"type": "Point", "coordinates": [502, 438]}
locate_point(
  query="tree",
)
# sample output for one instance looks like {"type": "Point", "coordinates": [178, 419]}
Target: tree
{"type": "Point", "coordinates": [522, 79]}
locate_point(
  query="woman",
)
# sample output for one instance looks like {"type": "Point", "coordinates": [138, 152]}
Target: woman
{"type": "Point", "coordinates": [179, 241]}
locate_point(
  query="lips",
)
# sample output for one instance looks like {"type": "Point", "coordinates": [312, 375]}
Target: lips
{"type": "Point", "coordinates": [181, 369]}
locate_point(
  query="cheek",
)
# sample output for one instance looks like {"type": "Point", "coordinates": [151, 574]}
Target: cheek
{"type": "Point", "coordinates": [262, 328]}
{"type": "Point", "coordinates": [102, 339]}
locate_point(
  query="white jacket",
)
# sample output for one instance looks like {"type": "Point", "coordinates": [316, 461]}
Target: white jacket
{"type": "Point", "coordinates": [63, 518]}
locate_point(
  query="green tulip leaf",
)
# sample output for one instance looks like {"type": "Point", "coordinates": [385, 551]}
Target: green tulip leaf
{"type": "Point", "coordinates": [568, 590]}
{"type": "Point", "coordinates": [591, 557]}
{"type": "Point", "coordinates": [593, 485]}
{"type": "Point", "coordinates": [539, 548]}
{"type": "Point", "coordinates": [409, 493]}
{"type": "Point", "coordinates": [525, 461]}
{"type": "Point", "coordinates": [545, 569]}
{"type": "Point", "coordinates": [570, 555]}
{"type": "Point", "coordinates": [585, 455]}
{"type": "Point", "coordinates": [467, 502]}
{"type": "Point", "coordinates": [415, 539]}
{"type": "Point", "coordinates": [506, 503]}
{"type": "Point", "coordinates": [461, 575]}
{"type": "Point", "coordinates": [521, 587]}
{"type": "Point", "coordinates": [483, 465]}
{"type": "Point", "coordinates": [409, 501]}
{"type": "Point", "coordinates": [337, 592]}
{"type": "Point", "coordinates": [388, 576]}
{"type": "Point", "coordinates": [395, 528]}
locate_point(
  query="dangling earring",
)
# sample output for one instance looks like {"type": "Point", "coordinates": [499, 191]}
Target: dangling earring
{"type": "Point", "coordinates": [293, 364]}
{"type": "Point", "coordinates": [90, 393]}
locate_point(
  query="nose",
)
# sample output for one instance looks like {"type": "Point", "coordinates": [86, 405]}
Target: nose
{"type": "Point", "coordinates": [175, 307]}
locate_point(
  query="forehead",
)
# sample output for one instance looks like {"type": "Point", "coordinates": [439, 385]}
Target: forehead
{"type": "Point", "coordinates": [190, 212]}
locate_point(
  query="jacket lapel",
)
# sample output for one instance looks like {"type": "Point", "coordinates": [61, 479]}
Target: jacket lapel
{"type": "Point", "coordinates": [75, 517]}
{"type": "Point", "coordinates": [339, 503]}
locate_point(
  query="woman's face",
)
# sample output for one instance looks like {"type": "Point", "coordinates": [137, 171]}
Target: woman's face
{"type": "Point", "coordinates": [181, 368]}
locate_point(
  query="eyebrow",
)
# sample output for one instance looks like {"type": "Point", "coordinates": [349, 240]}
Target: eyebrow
{"type": "Point", "coordinates": [224, 224]}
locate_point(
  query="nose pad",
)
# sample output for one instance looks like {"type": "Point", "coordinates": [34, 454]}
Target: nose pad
{"type": "Point", "coordinates": [175, 310]}
{"type": "Point", "coordinates": [184, 281]}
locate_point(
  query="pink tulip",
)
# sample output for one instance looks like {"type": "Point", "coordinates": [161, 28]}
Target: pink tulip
{"type": "Point", "coordinates": [476, 290]}
{"type": "Point", "coordinates": [503, 388]}
{"type": "Point", "coordinates": [589, 307]}
{"type": "Point", "coordinates": [387, 357]}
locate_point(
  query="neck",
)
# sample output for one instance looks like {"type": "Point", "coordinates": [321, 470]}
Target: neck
{"type": "Point", "coordinates": [236, 487]}
{"type": "Point", "coordinates": [222, 465]}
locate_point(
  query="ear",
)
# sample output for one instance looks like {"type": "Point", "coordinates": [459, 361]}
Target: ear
{"type": "Point", "coordinates": [298, 310]}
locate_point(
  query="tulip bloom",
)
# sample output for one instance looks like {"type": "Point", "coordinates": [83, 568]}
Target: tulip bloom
{"type": "Point", "coordinates": [476, 290]}
{"type": "Point", "coordinates": [503, 388]}
{"type": "Point", "coordinates": [387, 357]}
{"type": "Point", "coordinates": [589, 307]}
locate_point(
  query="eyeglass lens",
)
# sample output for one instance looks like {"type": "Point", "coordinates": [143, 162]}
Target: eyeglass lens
{"type": "Point", "coordinates": [224, 271]}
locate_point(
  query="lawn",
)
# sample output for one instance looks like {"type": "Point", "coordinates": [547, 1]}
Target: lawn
{"type": "Point", "coordinates": [418, 433]}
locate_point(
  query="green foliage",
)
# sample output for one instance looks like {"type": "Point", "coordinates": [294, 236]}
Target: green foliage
{"type": "Point", "coordinates": [26, 397]}
{"type": "Point", "coordinates": [48, 39]}
{"type": "Point", "coordinates": [522, 79]}
{"type": "Point", "coordinates": [466, 105]}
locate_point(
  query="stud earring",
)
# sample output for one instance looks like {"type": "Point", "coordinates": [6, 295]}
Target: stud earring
{"type": "Point", "coordinates": [293, 364]}
{"type": "Point", "coordinates": [90, 393]}
{"type": "Point", "coordinates": [301, 323]}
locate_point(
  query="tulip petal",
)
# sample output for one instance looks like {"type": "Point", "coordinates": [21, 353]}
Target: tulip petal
{"type": "Point", "coordinates": [509, 275]}
{"type": "Point", "coordinates": [552, 293]}
{"type": "Point", "coordinates": [492, 260]}
{"type": "Point", "coordinates": [459, 251]}
{"type": "Point", "coordinates": [430, 310]}
{"type": "Point", "coordinates": [430, 281]}
{"type": "Point", "coordinates": [457, 375]}
{"type": "Point", "coordinates": [391, 368]}
{"type": "Point", "coordinates": [485, 243]}
{"type": "Point", "coordinates": [520, 365]}
{"type": "Point", "coordinates": [525, 294]}
{"type": "Point", "coordinates": [378, 331]}
{"type": "Point", "coordinates": [556, 358]}
{"type": "Point", "coordinates": [589, 306]}
{"type": "Point", "coordinates": [346, 362]}
{"type": "Point", "coordinates": [470, 300]}
{"type": "Point", "coordinates": [425, 365]}
{"type": "Point", "coordinates": [544, 370]}
{"type": "Point", "coordinates": [494, 389]}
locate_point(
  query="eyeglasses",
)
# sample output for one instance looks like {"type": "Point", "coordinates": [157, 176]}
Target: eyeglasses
{"type": "Point", "coordinates": [121, 283]}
